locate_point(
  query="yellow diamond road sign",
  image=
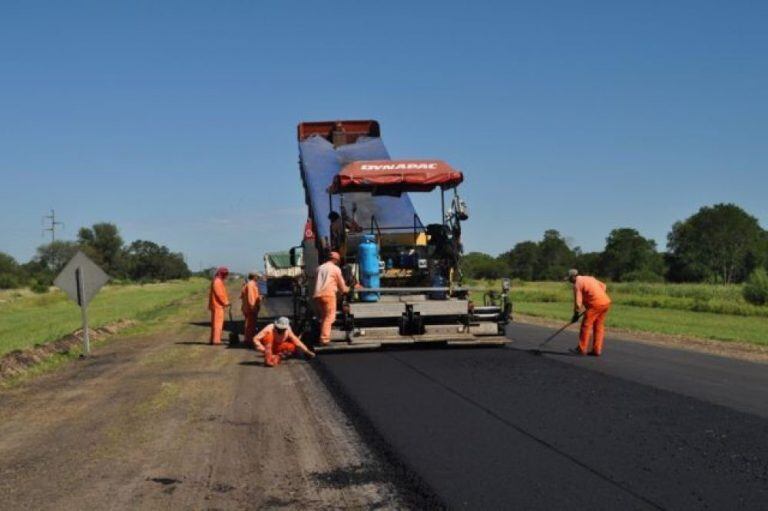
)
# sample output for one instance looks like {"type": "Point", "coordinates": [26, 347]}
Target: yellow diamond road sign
{"type": "Point", "coordinates": [81, 279]}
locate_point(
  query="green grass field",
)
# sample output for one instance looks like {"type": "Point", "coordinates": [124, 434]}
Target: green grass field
{"type": "Point", "coordinates": [27, 319]}
{"type": "Point", "coordinates": [693, 310]}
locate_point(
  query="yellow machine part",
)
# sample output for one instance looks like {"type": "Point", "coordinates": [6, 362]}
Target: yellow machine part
{"type": "Point", "coordinates": [403, 238]}
{"type": "Point", "coordinates": [397, 273]}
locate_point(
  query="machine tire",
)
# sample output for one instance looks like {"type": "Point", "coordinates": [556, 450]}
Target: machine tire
{"type": "Point", "coordinates": [312, 334]}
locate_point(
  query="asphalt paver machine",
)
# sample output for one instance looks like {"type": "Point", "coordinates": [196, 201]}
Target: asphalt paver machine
{"type": "Point", "coordinates": [359, 205]}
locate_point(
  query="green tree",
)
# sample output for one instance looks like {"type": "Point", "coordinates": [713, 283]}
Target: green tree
{"type": "Point", "coordinates": [102, 242]}
{"type": "Point", "coordinates": [55, 255]}
{"type": "Point", "coordinates": [35, 269]}
{"type": "Point", "coordinates": [522, 260]}
{"type": "Point", "coordinates": [478, 265]}
{"type": "Point", "coordinates": [628, 253]}
{"type": "Point", "coordinates": [588, 263]}
{"type": "Point", "coordinates": [146, 260]}
{"type": "Point", "coordinates": [48, 261]}
{"type": "Point", "coordinates": [8, 264]}
{"type": "Point", "coordinates": [555, 257]}
{"type": "Point", "coordinates": [10, 273]}
{"type": "Point", "coordinates": [721, 243]}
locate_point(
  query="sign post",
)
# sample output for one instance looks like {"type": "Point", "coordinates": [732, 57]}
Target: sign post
{"type": "Point", "coordinates": [81, 279]}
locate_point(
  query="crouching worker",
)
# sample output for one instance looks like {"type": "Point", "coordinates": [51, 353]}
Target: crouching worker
{"type": "Point", "coordinates": [250, 300]}
{"type": "Point", "coordinates": [278, 342]}
{"type": "Point", "coordinates": [590, 296]}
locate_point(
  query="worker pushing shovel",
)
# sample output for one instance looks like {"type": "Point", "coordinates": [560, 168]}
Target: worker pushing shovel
{"type": "Point", "coordinates": [592, 303]}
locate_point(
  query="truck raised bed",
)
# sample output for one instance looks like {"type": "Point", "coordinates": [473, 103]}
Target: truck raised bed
{"type": "Point", "coordinates": [359, 204]}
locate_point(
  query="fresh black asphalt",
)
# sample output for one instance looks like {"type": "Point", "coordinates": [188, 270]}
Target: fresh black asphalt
{"type": "Point", "coordinates": [502, 428]}
{"type": "Point", "coordinates": [738, 384]}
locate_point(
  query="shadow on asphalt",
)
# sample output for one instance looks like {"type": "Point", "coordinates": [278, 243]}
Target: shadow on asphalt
{"type": "Point", "coordinates": [537, 353]}
{"type": "Point", "coordinates": [430, 346]}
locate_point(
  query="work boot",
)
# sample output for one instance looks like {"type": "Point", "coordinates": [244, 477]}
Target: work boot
{"type": "Point", "coordinates": [594, 353]}
{"type": "Point", "coordinates": [576, 351]}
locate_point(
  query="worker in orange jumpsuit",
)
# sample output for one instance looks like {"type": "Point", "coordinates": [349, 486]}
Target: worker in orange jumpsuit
{"type": "Point", "coordinates": [328, 284]}
{"type": "Point", "coordinates": [278, 342]}
{"type": "Point", "coordinates": [218, 300]}
{"type": "Point", "coordinates": [590, 297]}
{"type": "Point", "coordinates": [250, 300]}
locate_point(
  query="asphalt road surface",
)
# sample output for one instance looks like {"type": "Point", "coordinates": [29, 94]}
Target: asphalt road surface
{"type": "Point", "coordinates": [643, 427]}
{"type": "Point", "coordinates": [734, 383]}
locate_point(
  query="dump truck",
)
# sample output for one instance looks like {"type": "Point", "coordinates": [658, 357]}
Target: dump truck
{"type": "Point", "coordinates": [359, 204]}
{"type": "Point", "coordinates": [281, 269]}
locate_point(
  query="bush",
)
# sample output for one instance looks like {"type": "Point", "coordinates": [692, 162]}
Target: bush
{"type": "Point", "coordinates": [477, 265]}
{"type": "Point", "coordinates": [755, 290]}
{"type": "Point", "coordinates": [39, 286]}
{"type": "Point", "coordinates": [642, 276]}
{"type": "Point", "coordinates": [9, 281]}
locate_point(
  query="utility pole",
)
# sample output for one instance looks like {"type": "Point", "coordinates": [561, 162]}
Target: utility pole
{"type": "Point", "coordinates": [52, 229]}
{"type": "Point", "coordinates": [54, 224]}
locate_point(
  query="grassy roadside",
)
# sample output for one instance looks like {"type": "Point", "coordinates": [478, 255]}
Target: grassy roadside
{"type": "Point", "coordinates": [689, 310]}
{"type": "Point", "coordinates": [28, 319]}
{"type": "Point", "coordinates": [183, 307]}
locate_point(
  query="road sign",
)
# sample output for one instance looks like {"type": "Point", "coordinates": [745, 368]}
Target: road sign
{"type": "Point", "coordinates": [81, 279]}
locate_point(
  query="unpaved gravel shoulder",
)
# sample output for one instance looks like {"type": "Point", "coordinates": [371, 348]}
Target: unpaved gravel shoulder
{"type": "Point", "coordinates": [165, 421]}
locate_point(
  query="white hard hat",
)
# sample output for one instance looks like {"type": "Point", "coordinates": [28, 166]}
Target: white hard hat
{"type": "Point", "coordinates": [282, 323]}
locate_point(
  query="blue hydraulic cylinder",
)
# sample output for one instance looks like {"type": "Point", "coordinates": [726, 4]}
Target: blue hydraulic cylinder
{"type": "Point", "coordinates": [368, 259]}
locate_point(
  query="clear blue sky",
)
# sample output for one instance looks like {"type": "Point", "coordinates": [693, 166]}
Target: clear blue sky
{"type": "Point", "coordinates": [176, 120]}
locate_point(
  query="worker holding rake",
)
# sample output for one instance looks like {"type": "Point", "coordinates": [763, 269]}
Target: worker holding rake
{"type": "Point", "coordinates": [590, 297]}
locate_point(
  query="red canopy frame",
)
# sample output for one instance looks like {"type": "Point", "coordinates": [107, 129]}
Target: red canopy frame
{"type": "Point", "coordinates": [393, 177]}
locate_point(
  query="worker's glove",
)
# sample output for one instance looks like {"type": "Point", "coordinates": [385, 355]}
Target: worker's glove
{"type": "Point", "coordinates": [576, 316]}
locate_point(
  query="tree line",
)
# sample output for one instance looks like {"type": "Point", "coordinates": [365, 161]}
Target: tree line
{"type": "Point", "coordinates": [139, 261]}
{"type": "Point", "coordinates": [718, 244]}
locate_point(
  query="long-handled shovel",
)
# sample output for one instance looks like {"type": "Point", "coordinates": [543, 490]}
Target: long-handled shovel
{"type": "Point", "coordinates": [234, 336]}
{"type": "Point", "coordinates": [537, 351]}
